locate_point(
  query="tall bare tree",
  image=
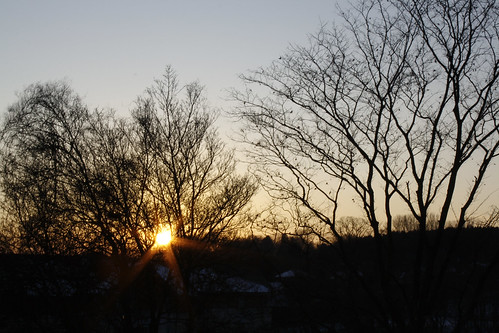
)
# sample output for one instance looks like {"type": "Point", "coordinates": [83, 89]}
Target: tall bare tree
{"type": "Point", "coordinates": [39, 130]}
{"type": "Point", "coordinates": [195, 188]}
{"type": "Point", "coordinates": [396, 108]}
{"type": "Point", "coordinates": [60, 162]}
{"type": "Point", "coordinates": [193, 175]}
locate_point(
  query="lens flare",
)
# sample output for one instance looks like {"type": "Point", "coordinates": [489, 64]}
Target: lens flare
{"type": "Point", "coordinates": [164, 237]}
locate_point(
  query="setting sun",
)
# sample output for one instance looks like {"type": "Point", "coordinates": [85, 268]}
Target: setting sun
{"type": "Point", "coordinates": [164, 237]}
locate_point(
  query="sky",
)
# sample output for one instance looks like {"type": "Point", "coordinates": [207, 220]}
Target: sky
{"type": "Point", "coordinates": [111, 51]}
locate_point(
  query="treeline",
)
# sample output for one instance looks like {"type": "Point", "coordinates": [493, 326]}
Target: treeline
{"type": "Point", "coordinates": [298, 285]}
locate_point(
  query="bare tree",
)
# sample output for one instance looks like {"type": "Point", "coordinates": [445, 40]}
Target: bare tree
{"type": "Point", "coordinates": [193, 176]}
{"type": "Point", "coordinates": [68, 175]}
{"type": "Point", "coordinates": [114, 206]}
{"type": "Point", "coordinates": [407, 223]}
{"type": "Point", "coordinates": [387, 111]}
{"type": "Point", "coordinates": [490, 220]}
{"type": "Point", "coordinates": [76, 180]}
{"type": "Point", "coordinates": [192, 179]}
{"type": "Point", "coordinates": [352, 227]}
{"type": "Point", "coordinates": [43, 125]}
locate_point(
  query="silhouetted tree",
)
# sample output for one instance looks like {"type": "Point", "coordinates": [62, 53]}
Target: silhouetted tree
{"type": "Point", "coordinates": [352, 227]}
{"type": "Point", "coordinates": [195, 188]}
{"type": "Point", "coordinates": [490, 220]}
{"type": "Point", "coordinates": [41, 137]}
{"type": "Point", "coordinates": [388, 111]}
{"type": "Point", "coordinates": [76, 180]}
{"type": "Point", "coordinates": [407, 223]}
{"type": "Point", "coordinates": [193, 177]}
{"type": "Point", "coordinates": [66, 175]}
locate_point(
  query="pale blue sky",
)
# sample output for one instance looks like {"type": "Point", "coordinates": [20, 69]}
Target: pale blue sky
{"type": "Point", "coordinates": [110, 51]}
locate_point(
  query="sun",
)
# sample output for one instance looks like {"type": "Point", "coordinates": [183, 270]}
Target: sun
{"type": "Point", "coordinates": [164, 236]}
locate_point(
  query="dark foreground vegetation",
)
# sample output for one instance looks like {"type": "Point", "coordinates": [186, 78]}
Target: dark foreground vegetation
{"type": "Point", "coordinates": [251, 285]}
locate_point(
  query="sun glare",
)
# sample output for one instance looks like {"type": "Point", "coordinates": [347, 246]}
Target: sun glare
{"type": "Point", "coordinates": [164, 237]}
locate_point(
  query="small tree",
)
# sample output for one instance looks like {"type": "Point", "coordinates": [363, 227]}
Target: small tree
{"type": "Point", "coordinates": [407, 223]}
